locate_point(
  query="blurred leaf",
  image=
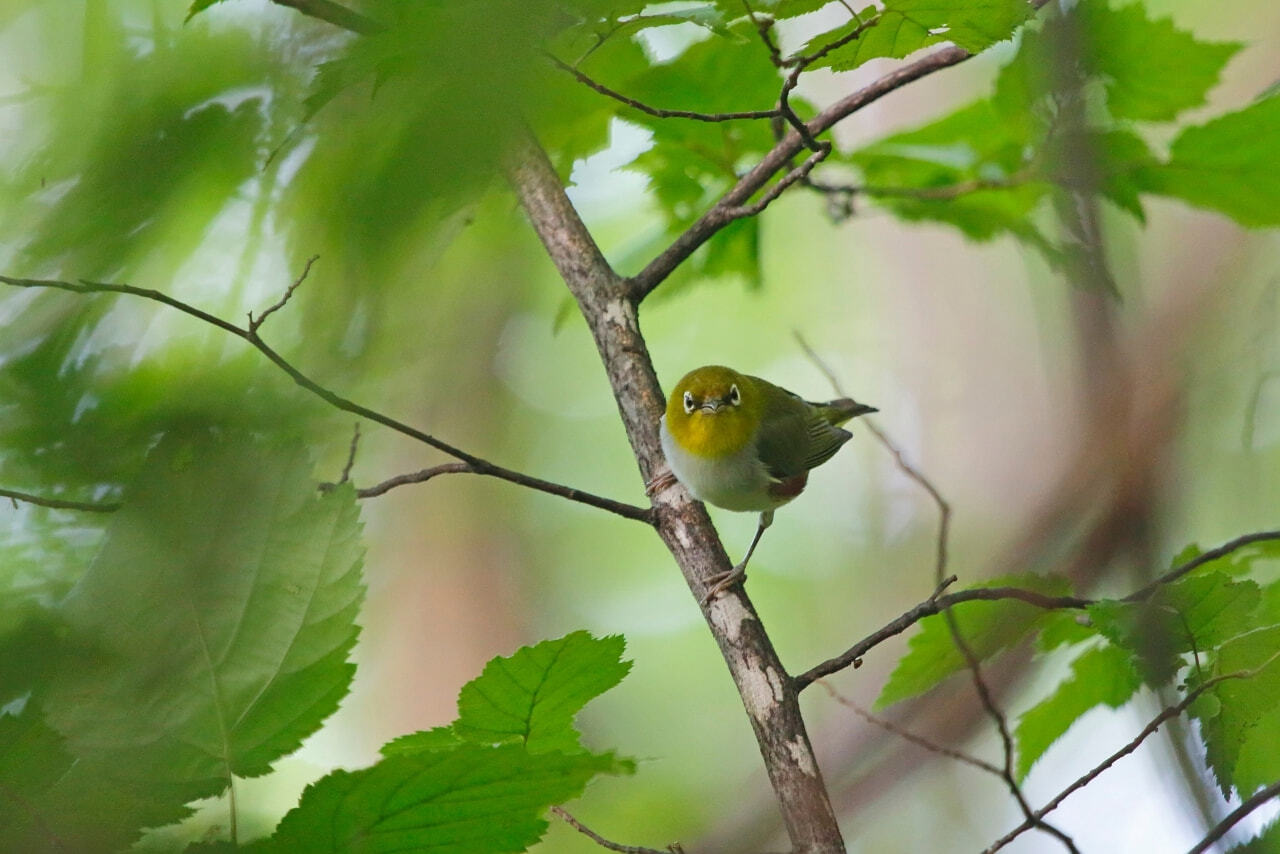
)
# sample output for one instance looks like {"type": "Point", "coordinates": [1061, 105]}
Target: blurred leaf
{"type": "Point", "coordinates": [1227, 164]}
{"type": "Point", "coordinates": [222, 605]}
{"type": "Point", "coordinates": [1100, 675]}
{"type": "Point", "coordinates": [987, 628]}
{"type": "Point", "coordinates": [1063, 628]}
{"type": "Point", "coordinates": [777, 9]}
{"type": "Point", "coordinates": [532, 696]}
{"type": "Point", "coordinates": [1196, 614]}
{"type": "Point", "coordinates": [198, 6]}
{"type": "Point", "coordinates": [1244, 724]}
{"type": "Point", "coordinates": [56, 803]}
{"type": "Point", "coordinates": [467, 800]}
{"type": "Point", "coordinates": [892, 36]}
{"type": "Point", "coordinates": [1153, 70]}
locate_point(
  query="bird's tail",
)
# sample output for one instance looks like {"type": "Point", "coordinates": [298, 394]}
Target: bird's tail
{"type": "Point", "coordinates": [836, 412]}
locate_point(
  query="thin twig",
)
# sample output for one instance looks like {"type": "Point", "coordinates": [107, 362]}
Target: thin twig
{"type": "Point", "coordinates": [478, 465]}
{"type": "Point", "coordinates": [1233, 818]}
{"type": "Point", "coordinates": [1130, 747]}
{"type": "Point", "coordinates": [564, 814]}
{"type": "Point", "coordinates": [656, 111]}
{"type": "Point", "coordinates": [59, 504]}
{"type": "Point", "coordinates": [914, 738]}
{"type": "Point", "coordinates": [972, 661]}
{"type": "Point", "coordinates": [421, 476]}
{"type": "Point", "coordinates": [1200, 560]}
{"type": "Point", "coordinates": [797, 174]}
{"type": "Point", "coordinates": [351, 454]}
{"type": "Point", "coordinates": [931, 606]}
{"type": "Point", "coordinates": [279, 304]}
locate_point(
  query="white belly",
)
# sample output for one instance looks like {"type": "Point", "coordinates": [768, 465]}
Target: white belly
{"type": "Point", "coordinates": [735, 482]}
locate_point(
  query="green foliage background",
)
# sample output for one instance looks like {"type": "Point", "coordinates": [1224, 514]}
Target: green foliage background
{"type": "Point", "coordinates": [209, 159]}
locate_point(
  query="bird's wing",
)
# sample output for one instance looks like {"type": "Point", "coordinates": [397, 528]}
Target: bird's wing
{"type": "Point", "coordinates": [795, 436]}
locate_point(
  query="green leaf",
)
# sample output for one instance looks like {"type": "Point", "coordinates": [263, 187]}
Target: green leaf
{"type": "Point", "coordinates": [436, 738]}
{"type": "Point", "coordinates": [1148, 69]}
{"type": "Point", "coordinates": [532, 697]}
{"type": "Point", "coordinates": [1227, 165]}
{"type": "Point", "coordinates": [1153, 70]}
{"type": "Point", "coordinates": [56, 803]}
{"type": "Point", "coordinates": [199, 6]}
{"type": "Point", "coordinates": [1194, 615]}
{"type": "Point", "coordinates": [222, 608]}
{"type": "Point", "coordinates": [987, 627]}
{"type": "Point", "coordinates": [468, 800]}
{"type": "Point", "coordinates": [1101, 675]}
{"type": "Point", "coordinates": [905, 26]}
{"type": "Point", "coordinates": [974, 25]}
{"type": "Point", "coordinates": [1241, 729]}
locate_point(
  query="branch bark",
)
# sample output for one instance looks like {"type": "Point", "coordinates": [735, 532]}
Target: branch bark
{"type": "Point", "coordinates": [609, 305]}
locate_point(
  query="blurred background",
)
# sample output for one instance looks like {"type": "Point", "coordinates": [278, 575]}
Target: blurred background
{"type": "Point", "coordinates": [1070, 431]}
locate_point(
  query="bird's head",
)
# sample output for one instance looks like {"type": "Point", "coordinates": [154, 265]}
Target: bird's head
{"type": "Point", "coordinates": [713, 411]}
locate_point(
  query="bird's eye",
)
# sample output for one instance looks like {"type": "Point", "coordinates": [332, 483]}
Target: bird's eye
{"type": "Point", "coordinates": [735, 397]}
{"type": "Point", "coordinates": [688, 403]}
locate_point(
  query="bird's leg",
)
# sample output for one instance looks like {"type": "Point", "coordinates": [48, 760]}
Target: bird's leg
{"type": "Point", "coordinates": [722, 581]}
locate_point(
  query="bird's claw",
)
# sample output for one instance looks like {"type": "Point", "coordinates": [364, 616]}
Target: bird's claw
{"type": "Point", "coordinates": [722, 581]}
{"type": "Point", "coordinates": [659, 482]}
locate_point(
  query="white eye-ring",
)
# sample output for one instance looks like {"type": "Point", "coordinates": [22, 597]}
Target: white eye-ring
{"type": "Point", "coordinates": [735, 397]}
{"type": "Point", "coordinates": [688, 403]}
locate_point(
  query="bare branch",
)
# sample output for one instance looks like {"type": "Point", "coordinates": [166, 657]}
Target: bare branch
{"type": "Point", "coordinates": [1200, 560]}
{"type": "Point", "coordinates": [655, 111]}
{"type": "Point", "coordinates": [777, 158]}
{"type": "Point", "coordinates": [798, 174]}
{"type": "Point", "coordinates": [477, 465]}
{"type": "Point", "coordinates": [564, 814]}
{"type": "Point", "coordinates": [279, 304]}
{"type": "Point", "coordinates": [1220, 829]}
{"type": "Point", "coordinates": [933, 605]}
{"type": "Point", "coordinates": [918, 740]}
{"type": "Point", "coordinates": [336, 14]}
{"type": "Point", "coordinates": [971, 659]}
{"type": "Point", "coordinates": [59, 504]}
{"type": "Point", "coordinates": [1130, 747]}
{"type": "Point", "coordinates": [351, 454]}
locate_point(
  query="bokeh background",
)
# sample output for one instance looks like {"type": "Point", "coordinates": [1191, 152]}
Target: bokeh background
{"type": "Point", "coordinates": [1070, 431]}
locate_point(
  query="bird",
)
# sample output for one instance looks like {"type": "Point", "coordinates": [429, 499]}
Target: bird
{"type": "Point", "coordinates": [744, 444]}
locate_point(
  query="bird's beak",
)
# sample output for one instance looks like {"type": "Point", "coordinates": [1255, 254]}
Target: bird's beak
{"type": "Point", "coordinates": [863, 409]}
{"type": "Point", "coordinates": [712, 405]}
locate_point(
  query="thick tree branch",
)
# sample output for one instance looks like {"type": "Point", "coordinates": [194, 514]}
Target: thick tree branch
{"type": "Point", "coordinates": [767, 692]}
{"type": "Point", "coordinates": [476, 464]}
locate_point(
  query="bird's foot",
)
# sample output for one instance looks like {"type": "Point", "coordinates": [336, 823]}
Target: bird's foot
{"type": "Point", "coordinates": [722, 581]}
{"type": "Point", "coordinates": [659, 482]}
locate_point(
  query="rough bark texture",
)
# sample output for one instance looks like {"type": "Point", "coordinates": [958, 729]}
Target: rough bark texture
{"type": "Point", "coordinates": [767, 692]}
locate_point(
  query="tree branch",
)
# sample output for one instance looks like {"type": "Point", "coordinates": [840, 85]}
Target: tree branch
{"type": "Point", "coordinates": [1200, 560]}
{"type": "Point", "coordinates": [788, 147]}
{"type": "Point", "coordinates": [1147, 731]}
{"type": "Point", "coordinates": [59, 504]}
{"type": "Point", "coordinates": [476, 464]}
{"type": "Point", "coordinates": [568, 819]}
{"type": "Point", "coordinates": [610, 309]}
{"type": "Point", "coordinates": [655, 111]}
{"type": "Point", "coordinates": [1220, 829]}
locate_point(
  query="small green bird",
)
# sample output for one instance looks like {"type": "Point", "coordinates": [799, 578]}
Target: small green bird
{"type": "Point", "coordinates": [743, 443]}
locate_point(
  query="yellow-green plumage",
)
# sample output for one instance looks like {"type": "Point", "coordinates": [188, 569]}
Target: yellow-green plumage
{"type": "Point", "coordinates": [743, 443]}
